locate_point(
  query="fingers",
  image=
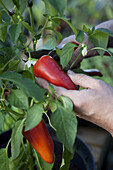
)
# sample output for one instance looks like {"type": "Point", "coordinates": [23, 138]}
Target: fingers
{"type": "Point", "coordinates": [68, 39]}
{"type": "Point", "coordinates": [44, 83]}
{"type": "Point", "coordinates": [59, 90]}
{"type": "Point", "coordinates": [82, 80]}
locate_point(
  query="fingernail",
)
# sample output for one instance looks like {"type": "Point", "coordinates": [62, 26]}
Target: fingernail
{"type": "Point", "coordinates": [70, 72]}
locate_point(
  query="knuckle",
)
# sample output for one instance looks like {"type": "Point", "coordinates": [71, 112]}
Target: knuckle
{"type": "Point", "coordinates": [81, 77]}
{"type": "Point", "coordinates": [78, 103]}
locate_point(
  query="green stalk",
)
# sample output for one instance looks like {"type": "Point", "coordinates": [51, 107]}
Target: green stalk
{"type": "Point", "coordinates": [15, 113]}
{"type": "Point", "coordinates": [39, 166]}
{"type": "Point", "coordinates": [31, 18]}
{"type": "Point", "coordinates": [71, 26]}
{"type": "Point", "coordinates": [4, 6]}
{"type": "Point", "coordinates": [7, 110]}
{"type": "Point", "coordinates": [32, 25]}
{"type": "Point", "coordinates": [4, 106]}
{"type": "Point", "coordinates": [100, 48]}
{"type": "Point", "coordinates": [8, 145]}
{"type": "Point", "coordinates": [43, 27]}
{"type": "Point", "coordinates": [31, 162]}
{"type": "Point", "coordinates": [29, 55]}
{"type": "Point", "coordinates": [75, 61]}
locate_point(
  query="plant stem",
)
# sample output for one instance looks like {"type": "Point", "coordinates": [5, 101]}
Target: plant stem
{"type": "Point", "coordinates": [31, 162]}
{"type": "Point", "coordinates": [31, 18]}
{"type": "Point", "coordinates": [7, 148]}
{"type": "Point", "coordinates": [7, 110]}
{"type": "Point", "coordinates": [39, 166]}
{"type": "Point", "coordinates": [11, 60]}
{"type": "Point", "coordinates": [4, 106]}
{"type": "Point", "coordinates": [15, 113]}
{"type": "Point", "coordinates": [8, 145]}
{"type": "Point", "coordinates": [29, 55]}
{"type": "Point", "coordinates": [71, 26]}
{"type": "Point", "coordinates": [43, 27]}
{"type": "Point", "coordinates": [75, 60]}
{"type": "Point", "coordinates": [32, 25]}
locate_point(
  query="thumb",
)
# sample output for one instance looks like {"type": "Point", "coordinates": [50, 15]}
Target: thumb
{"type": "Point", "coordinates": [82, 80]}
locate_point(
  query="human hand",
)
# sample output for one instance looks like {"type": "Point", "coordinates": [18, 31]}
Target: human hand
{"type": "Point", "coordinates": [93, 103]}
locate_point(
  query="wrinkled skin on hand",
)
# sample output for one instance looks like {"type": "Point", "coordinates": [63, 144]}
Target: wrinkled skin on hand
{"type": "Point", "coordinates": [93, 103]}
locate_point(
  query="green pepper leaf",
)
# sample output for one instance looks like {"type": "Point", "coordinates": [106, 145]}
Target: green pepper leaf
{"type": "Point", "coordinates": [19, 161]}
{"type": "Point", "coordinates": [28, 27]}
{"type": "Point", "coordinates": [66, 54]}
{"type": "Point", "coordinates": [16, 138]}
{"type": "Point", "coordinates": [18, 99]}
{"type": "Point", "coordinates": [3, 28]}
{"type": "Point", "coordinates": [58, 34]}
{"type": "Point", "coordinates": [99, 39]}
{"type": "Point", "coordinates": [59, 5]}
{"type": "Point", "coordinates": [22, 38]}
{"type": "Point", "coordinates": [65, 119]}
{"type": "Point", "coordinates": [30, 88]}
{"type": "Point", "coordinates": [1, 122]}
{"type": "Point", "coordinates": [3, 159]}
{"type": "Point", "coordinates": [14, 32]}
{"type": "Point", "coordinates": [67, 103]}
{"type": "Point", "coordinates": [106, 31]}
{"type": "Point", "coordinates": [67, 157]}
{"type": "Point", "coordinates": [51, 43]}
{"type": "Point", "coordinates": [80, 36]}
{"type": "Point", "coordinates": [53, 106]}
{"type": "Point", "coordinates": [16, 2]}
{"type": "Point", "coordinates": [34, 116]}
{"type": "Point", "coordinates": [6, 18]}
{"type": "Point", "coordinates": [13, 65]}
{"type": "Point", "coordinates": [3, 33]}
{"type": "Point", "coordinates": [69, 23]}
{"type": "Point", "coordinates": [0, 81]}
{"type": "Point", "coordinates": [43, 164]}
{"type": "Point", "coordinates": [50, 9]}
{"type": "Point", "coordinates": [23, 5]}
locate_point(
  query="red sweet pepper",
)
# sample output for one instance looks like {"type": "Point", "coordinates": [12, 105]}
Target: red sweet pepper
{"type": "Point", "coordinates": [46, 67]}
{"type": "Point", "coordinates": [40, 139]}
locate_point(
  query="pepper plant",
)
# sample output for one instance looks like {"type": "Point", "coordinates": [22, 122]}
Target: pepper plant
{"type": "Point", "coordinates": [24, 101]}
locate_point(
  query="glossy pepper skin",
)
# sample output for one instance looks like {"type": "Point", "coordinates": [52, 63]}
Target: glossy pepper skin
{"type": "Point", "coordinates": [40, 139]}
{"type": "Point", "coordinates": [46, 67]}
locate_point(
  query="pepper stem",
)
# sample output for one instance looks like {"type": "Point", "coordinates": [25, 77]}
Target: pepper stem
{"type": "Point", "coordinates": [31, 162]}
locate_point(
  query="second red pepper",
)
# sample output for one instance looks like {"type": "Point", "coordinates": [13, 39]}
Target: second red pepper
{"type": "Point", "coordinates": [40, 139]}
